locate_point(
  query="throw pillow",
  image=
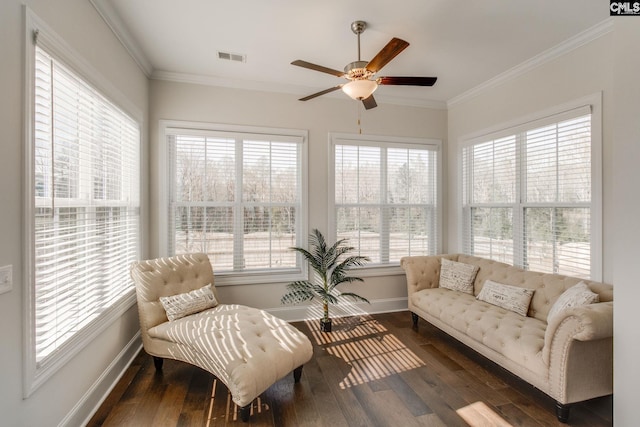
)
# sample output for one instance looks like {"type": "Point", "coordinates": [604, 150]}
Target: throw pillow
{"type": "Point", "coordinates": [457, 276]}
{"type": "Point", "coordinates": [182, 305]}
{"type": "Point", "coordinates": [578, 294]}
{"type": "Point", "coordinates": [509, 297]}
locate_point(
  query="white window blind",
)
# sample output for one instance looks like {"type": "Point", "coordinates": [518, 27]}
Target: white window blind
{"type": "Point", "coordinates": [85, 203]}
{"type": "Point", "coordinates": [386, 198]}
{"type": "Point", "coordinates": [527, 195]}
{"type": "Point", "coordinates": [236, 197]}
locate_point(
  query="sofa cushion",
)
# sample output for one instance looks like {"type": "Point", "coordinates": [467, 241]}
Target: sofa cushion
{"type": "Point", "coordinates": [518, 338]}
{"type": "Point", "coordinates": [577, 295]}
{"type": "Point", "coordinates": [187, 303]}
{"type": "Point", "coordinates": [512, 298]}
{"type": "Point", "coordinates": [457, 276]}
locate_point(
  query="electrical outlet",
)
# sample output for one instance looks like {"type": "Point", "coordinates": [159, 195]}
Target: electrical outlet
{"type": "Point", "coordinates": [6, 279]}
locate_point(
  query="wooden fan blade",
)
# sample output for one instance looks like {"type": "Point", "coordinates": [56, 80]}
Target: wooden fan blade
{"type": "Point", "coordinates": [407, 81]}
{"type": "Point", "coordinates": [309, 65]}
{"type": "Point", "coordinates": [390, 51]}
{"type": "Point", "coordinates": [306, 98]}
{"type": "Point", "coordinates": [369, 102]}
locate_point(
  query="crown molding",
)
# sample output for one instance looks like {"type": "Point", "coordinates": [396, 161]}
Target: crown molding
{"type": "Point", "coordinates": [581, 39]}
{"type": "Point", "coordinates": [113, 20]}
{"type": "Point", "coordinates": [282, 88]}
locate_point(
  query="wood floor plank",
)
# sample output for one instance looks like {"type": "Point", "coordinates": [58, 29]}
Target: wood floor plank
{"type": "Point", "coordinates": [516, 416]}
{"type": "Point", "coordinates": [323, 397]}
{"type": "Point", "coordinates": [117, 392]}
{"type": "Point", "coordinates": [410, 399]}
{"type": "Point", "coordinates": [429, 389]}
{"type": "Point", "coordinates": [196, 403]}
{"type": "Point", "coordinates": [431, 420]}
{"type": "Point", "coordinates": [332, 370]}
{"type": "Point", "coordinates": [467, 379]}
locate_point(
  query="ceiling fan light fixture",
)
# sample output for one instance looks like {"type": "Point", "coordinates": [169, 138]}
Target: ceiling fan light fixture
{"type": "Point", "coordinates": [360, 89]}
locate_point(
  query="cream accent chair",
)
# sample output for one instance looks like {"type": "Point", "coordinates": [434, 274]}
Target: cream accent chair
{"type": "Point", "coordinates": [246, 348]}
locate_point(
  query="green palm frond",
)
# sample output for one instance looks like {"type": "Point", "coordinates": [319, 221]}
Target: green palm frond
{"type": "Point", "coordinates": [316, 263]}
{"type": "Point", "coordinates": [298, 292]}
{"type": "Point", "coordinates": [344, 279]}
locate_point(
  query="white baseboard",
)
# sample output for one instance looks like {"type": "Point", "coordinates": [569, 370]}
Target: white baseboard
{"type": "Point", "coordinates": [98, 392]}
{"type": "Point", "coordinates": [314, 309]}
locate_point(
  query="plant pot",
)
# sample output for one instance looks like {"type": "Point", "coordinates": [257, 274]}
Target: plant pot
{"type": "Point", "coordinates": [325, 325]}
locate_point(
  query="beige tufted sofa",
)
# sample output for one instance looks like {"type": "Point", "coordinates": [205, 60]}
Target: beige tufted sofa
{"type": "Point", "coordinates": [570, 358]}
{"type": "Point", "coordinates": [246, 348]}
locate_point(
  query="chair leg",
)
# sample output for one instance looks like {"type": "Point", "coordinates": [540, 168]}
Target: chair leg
{"type": "Point", "coordinates": [562, 412]}
{"type": "Point", "coordinates": [297, 374]}
{"type": "Point", "coordinates": [157, 362]}
{"type": "Point", "coordinates": [245, 412]}
{"type": "Point", "coordinates": [414, 319]}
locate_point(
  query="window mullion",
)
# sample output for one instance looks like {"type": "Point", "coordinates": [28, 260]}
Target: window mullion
{"type": "Point", "coordinates": [519, 233]}
{"type": "Point", "coordinates": [384, 208]}
{"type": "Point", "coordinates": [238, 209]}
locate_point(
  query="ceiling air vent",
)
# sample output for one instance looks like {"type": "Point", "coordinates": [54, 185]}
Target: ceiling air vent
{"type": "Point", "coordinates": [228, 56]}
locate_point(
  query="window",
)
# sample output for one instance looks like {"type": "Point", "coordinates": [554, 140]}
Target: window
{"type": "Point", "coordinates": [529, 196]}
{"type": "Point", "coordinates": [385, 197]}
{"type": "Point", "coordinates": [83, 227]}
{"type": "Point", "coordinates": [237, 194]}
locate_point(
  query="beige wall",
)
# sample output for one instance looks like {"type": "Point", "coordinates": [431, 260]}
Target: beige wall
{"type": "Point", "coordinates": [626, 233]}
{"type": "Point", "coordinates": [179, 101]}
{"type": "Point", "coordinates": [82, 28]}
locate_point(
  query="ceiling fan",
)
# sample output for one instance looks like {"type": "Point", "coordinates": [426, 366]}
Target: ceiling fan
{"type": "Point", "coordinates": [360, 74]}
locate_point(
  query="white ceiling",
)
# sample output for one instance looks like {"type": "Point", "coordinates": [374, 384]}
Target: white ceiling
{"type": "Point", "coordinates": [465, 43]}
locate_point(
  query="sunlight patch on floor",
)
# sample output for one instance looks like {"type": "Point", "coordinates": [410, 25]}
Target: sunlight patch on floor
{"type": "Point", "coordinates": [367, 347]}
{"type": "Point", "coordinates": [478, 414]}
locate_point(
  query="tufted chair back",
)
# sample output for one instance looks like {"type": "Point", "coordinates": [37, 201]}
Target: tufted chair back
{"type": "Point", "coordinates": [165, 277]}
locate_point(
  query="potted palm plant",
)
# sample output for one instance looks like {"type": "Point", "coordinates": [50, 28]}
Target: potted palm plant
{"type": "Point", "coordinates": [330, 264]}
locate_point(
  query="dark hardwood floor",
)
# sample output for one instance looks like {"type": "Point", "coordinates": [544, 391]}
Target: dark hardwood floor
{"type": "Point", "coordinates": [370, 371]}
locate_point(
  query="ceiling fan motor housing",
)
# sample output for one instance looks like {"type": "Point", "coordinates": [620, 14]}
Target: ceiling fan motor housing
{"type": "Point", "coordinates": [357, 70]}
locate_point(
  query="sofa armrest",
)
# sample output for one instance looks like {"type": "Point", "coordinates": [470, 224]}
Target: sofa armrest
{"type": "Point", "coordinates": [423, 272]}
{"type": "Point", "coordinates": [578, 347]}
{"type": "Point", "coordinates": [590, 322]}
{"type": "Point", "coordinates": [585, 323]}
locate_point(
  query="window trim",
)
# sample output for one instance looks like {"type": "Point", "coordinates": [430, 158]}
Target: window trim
{"type": "Point", "coordinates": [34, 376]}
{"type": "Point", "coordinates": [548, 116]}
{"type": "Point", "coordinates": [167, 127]}
{"type": "Point", "coordinates": [403, 142]}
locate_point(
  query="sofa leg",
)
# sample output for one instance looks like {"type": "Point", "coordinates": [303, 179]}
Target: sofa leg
{"type": "Point", "coordinates": [562, 412]}
{"type": "Point", "coordinates": [157, 362]}
{"type": "Point", "coordinates": [414, 319]}
{"type": "Point", "coordinates": [297, 374]}
{"type": "Point", "coordinates": [245, 411]}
